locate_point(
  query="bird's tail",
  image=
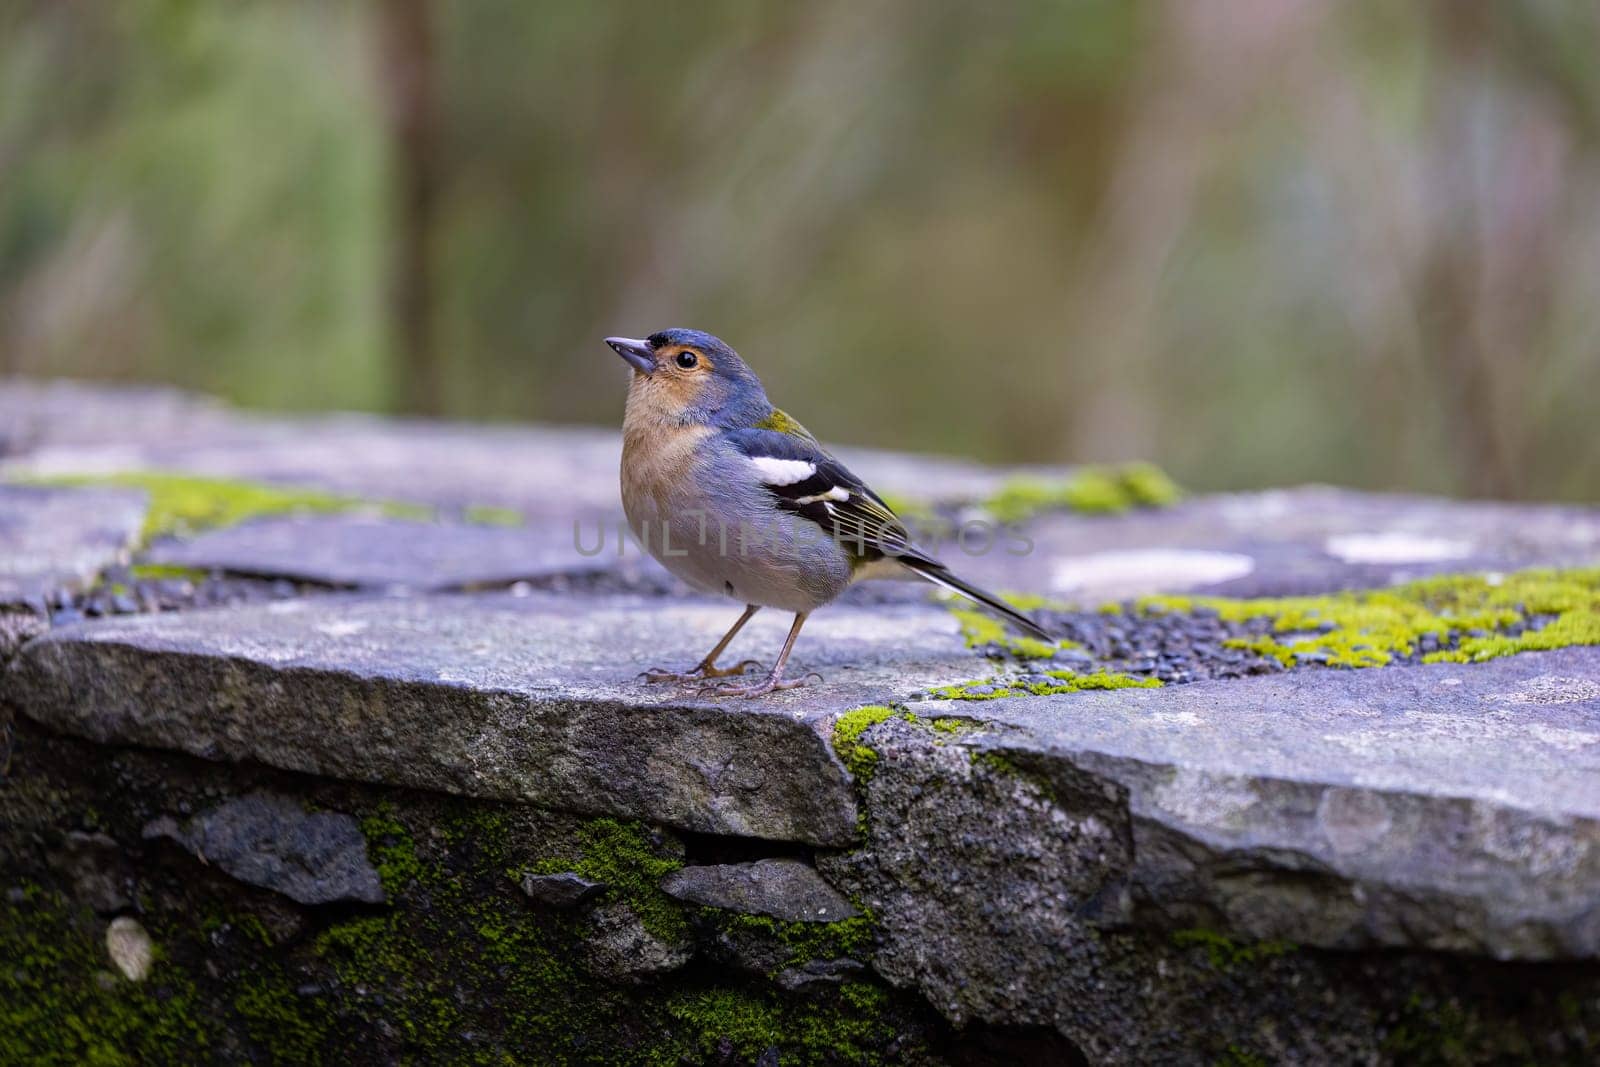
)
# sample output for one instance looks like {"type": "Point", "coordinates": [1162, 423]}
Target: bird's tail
{"type": "Point", "coordinates": [938, 575]}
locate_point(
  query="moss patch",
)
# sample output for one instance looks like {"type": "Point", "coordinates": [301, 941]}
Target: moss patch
{"type": "Point", "coordinates": [183, 504]}
{"type": "Point", "coordinates": [849, 1030]}
{"type": "Point", "coordinates": [1061, 681]}
{"type": "Point", "coordinates": [858, 757]}
{"type": "Point", "coordinates": [1224, 953]}
{"type": "Point", "coordinates": [492, 515]}
{"type": "Point", "coordinates": [62, 1001]}
{"type": "Point", "coordinates": [1090, 491]}
{"type": "Point", "coordinates": [619, 853]}
{"type": "Point", "coordinates": [1461, 618]}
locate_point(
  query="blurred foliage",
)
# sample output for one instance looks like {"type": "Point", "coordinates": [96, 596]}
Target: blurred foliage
{"type": "Point", "coordinates": [1258, 242]}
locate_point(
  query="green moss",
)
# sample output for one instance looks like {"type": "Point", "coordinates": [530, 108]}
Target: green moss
{"type": "Point", "coordinates": [1061, 681]}
{"type": "Point", "coordinates": [950, 724]}
{"type": "Point", "coordinates": [858, 758]}
{"type": "Point", "coordinates": [802, 941]}
{"type": "Point", "coordinates": [1224, 953]}
{"type": "Point", "coordinates": [183, 504]}
{"type": "Point", "coordinates": [150, 572]}
{"type": "Point", "coordinates": [491, 515]}
{"type": "Point", "coordinates": [61, 1001]}
{"type": "Point", "coordinates": [847, 1028]}
{"type": "Point", "coordinates": [393, 852]}
{"type": "Point", "coordinates": [292, 1029]}
{"type": "Point", "coordinates": [1234, 1056]}
{"type": "Point", "coordinates": [1436, 1032]}
{"type": "Point", "coordinates": [1370, 628]}
{"type": "Point", "coordinates": [619, 853]}
{"type": "Point", "coordinates": [1090, 490]}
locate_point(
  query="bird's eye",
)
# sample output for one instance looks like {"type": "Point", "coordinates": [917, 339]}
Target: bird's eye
{"type": "Point", "coordinates": [687, 359]}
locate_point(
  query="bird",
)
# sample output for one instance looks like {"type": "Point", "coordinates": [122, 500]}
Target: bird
{"type": "Point", "coordinates": [736, 498]}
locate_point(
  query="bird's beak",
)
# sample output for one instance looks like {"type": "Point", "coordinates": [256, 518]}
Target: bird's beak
{"type": "Point", "coordinates": [637, 353]}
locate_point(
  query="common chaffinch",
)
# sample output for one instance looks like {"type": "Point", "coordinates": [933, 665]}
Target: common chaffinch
{"type": "Point", "coordinates": [737, 499]}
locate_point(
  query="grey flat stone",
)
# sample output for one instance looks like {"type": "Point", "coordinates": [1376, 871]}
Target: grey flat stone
{"type": "Point", "coordinates": [1275, 543]}
{"type": "Point", "coordinates": [496, 696]}
{"type": "Point", "coordinates": [353, 550]}
{"type": "Point", "coordinates": [39, 414]}
{"type": "Point", "coordinates": [1451, 807]}
{"type": "Point", "coordinates": [550, 471]}
{"type": "Point", "coordinates": [272, 842]}
{"type": "Point", "coordinates": [782, 888]}
{"type": "Point", "coordinates": [52, 539]}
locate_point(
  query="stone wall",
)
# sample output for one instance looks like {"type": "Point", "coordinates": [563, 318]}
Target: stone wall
{"type": "Point", "coordinates": [325, 741]}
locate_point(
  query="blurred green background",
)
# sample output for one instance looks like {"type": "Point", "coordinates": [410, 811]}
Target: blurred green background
{"type": "Point", "coordinates": [1256, 241]}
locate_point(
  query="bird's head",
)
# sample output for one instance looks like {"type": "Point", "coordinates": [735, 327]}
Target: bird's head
{"type": "Point", "coordinates": [689, 376]}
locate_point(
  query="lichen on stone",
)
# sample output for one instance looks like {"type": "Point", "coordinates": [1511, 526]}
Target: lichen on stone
{"type": "Point", "coordinates": [1224, 953]}
{"type": "Point", "coordinates": [859, 758]}
{"type": "Point", "coordinates": [1089, 490]}
{"type": "Point", "coordinates": [998, 687]}
{"type": "Point", "coordinates": [619, 854]}
{"type": "Point", "coordinates": [183, 504]}
{"type": "Point", "coordinates": [1461, 618]}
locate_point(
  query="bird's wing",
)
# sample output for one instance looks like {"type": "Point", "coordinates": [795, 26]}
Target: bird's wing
{"type": "Point", "coordinates": [805, 479]}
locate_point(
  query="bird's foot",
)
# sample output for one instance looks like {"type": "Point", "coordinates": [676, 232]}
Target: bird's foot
{"type": "Point", "coordinates": [698, 674]}
{"type": "Point", "coordinates": [771, 684]}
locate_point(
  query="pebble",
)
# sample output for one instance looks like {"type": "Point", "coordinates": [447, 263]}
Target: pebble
{"type": "Point", "coordinates": [130, 948]}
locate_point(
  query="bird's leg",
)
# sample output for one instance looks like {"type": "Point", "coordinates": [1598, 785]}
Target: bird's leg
{"type": "Point", "coordinates": [773, 681]}
{"type": "Point", "coordinates": [707, 667]}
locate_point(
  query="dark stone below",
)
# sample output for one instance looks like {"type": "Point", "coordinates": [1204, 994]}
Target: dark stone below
{"type": "Point", "coordinates": [788, 890]}
{"type": "Point", "coordinates": [272, 842]}
{"type": "Point", "coordinates": [565, 890]}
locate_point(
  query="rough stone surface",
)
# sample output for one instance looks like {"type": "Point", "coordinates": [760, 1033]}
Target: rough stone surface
{"type": "Point", "coordinates": [619, 948]}
{"type": "Point", "coordinates": [1276, 543]}
{"type": "Point", "coordinates": [533, 698]}
{"type": "Point", "coordinates": [350, 550]}
{"type": "Point", "coordinates": [565, 890]}
{"type": "Point", "coordinates": [61, 538]}
{"type": "Point", "coordinates": [272, 842]}
{"type": "Point", "coordinates": [1449, 806]}
{"type": "Point", "coordinates": [785, 889]}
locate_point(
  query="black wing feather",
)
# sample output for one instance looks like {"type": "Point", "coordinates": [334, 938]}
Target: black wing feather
{"type": "Point", "coordinates": [861, 522]}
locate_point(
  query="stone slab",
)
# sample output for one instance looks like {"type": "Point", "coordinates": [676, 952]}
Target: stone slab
{"type": "Point", "coordinates": [496, 696]}
{"type": "Point", "coordinates": [1285, 542]}
{"type": "Point", "coordinates": [362, 551]}
{"type": "Point", "coordinates": [52, 539]}
{"type": "Point", "coordinates": [1452, 807]}
{"type": "Point", "coordinates": [540, 470]}
{"type": "Point", "coordinates": [43, 413]}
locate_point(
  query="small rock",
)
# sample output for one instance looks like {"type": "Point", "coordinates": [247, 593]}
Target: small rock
{"type": "Point", "coordinates": [130, 948]}
{"type": "Point", "coordinates": [782, 888]}
{"type": "Point", "coordinates": [565, 890]}
{"type": "Point", "coordinates": [270, 841]}
{"type": "Point", "coordinates": [618, 948]}
{"type": "Point", "coordinates": [817, 973]}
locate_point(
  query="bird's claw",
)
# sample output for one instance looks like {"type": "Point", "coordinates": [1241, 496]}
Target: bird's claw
{"type": "Point", "coordinates": [769, 684]}
{"type": "Point", "coordinates": [698, 674]}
